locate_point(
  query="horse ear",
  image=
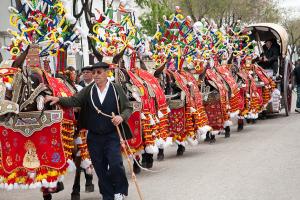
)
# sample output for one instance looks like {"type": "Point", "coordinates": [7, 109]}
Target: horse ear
{"type": "Point", "coordinates": [117, 57]}
{"type": "Point", "coordinates": [18, 63]}
{"type": "Point", "coordinates": [230, 59]}
{"type": "Point", "coordinates": [142, 63]}
{"type": "Point", "coordinates": [160, 69]}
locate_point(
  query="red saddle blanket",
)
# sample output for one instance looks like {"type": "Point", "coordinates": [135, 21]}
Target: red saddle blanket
{"type": "Point", "coordinates": [44, 148]}
{"type": "Point", "coordinates": [135, 125]}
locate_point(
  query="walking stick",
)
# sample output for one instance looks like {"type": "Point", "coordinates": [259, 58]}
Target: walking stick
{"type": "Point", "coordinates": [128, 161]}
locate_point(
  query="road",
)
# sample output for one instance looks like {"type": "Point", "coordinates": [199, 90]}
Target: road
{"type": "Point", "coordinates": [260, 163]}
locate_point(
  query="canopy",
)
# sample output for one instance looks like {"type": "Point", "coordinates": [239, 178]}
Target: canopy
{"type": "Point", "coordinates": [266, 31]}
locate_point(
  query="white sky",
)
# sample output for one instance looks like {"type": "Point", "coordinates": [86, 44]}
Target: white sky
{"type": "Point", "coordinates": [294, 5]}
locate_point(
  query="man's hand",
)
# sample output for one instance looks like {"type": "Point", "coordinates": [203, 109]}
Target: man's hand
{"type": "Point", "coordinates": [117, 120]}
{"type": "Point", "coordinates": [53, 100]}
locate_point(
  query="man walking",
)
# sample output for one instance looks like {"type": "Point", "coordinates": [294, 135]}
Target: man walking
{"type": "Point", "coordinates": [98, 101]}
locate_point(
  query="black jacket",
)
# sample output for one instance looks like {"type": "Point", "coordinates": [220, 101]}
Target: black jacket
{"type": "Point", "coordinates": [297, 74]}
{"type": "Point", "coordinates": [80, 100]}
{"type": "Point", "coordinates": [272, 55]}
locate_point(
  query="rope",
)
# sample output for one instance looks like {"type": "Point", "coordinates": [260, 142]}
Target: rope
{"type": "Point", "coordinates": [128, 146]}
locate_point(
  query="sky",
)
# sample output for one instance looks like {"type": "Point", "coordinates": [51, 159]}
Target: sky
{"type": "Point", "coordinates": [291, 4]}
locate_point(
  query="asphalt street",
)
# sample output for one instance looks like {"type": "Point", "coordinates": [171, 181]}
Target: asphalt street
{"type": "Point", "coordinates": [260, 163]}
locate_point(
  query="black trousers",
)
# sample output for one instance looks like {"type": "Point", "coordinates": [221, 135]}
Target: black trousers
{"type": "Point", "coordinates": [105, 152]}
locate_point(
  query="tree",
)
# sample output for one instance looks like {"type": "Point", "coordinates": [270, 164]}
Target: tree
{"type": "Point", "coordinates": [150, 20]}
{"type": "Point", "coordinates": [222, 11]}
{"type": "Point", "coordinates": [293, 29]}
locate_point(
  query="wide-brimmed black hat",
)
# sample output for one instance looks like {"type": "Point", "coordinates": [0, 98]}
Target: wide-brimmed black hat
{"type": "Point", "coordinates": [86, 68]}
{"type": "Point", "coordinates": [100, 65]}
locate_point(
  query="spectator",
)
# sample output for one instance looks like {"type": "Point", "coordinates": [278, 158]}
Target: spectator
{"type": "Point", "coordinates": [87, 76]}
{"type": "Point", "coordinates": [297, 79]}
{"type": "Point", "coordinates": [70, 75]}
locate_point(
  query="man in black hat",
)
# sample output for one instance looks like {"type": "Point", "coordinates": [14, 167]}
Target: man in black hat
{"type": "Point", "coordinates": [87, 76]}
{"type": "Point", "coordinates": [269, 59]}
{"type": "Point", "coordinates": [98, 101]}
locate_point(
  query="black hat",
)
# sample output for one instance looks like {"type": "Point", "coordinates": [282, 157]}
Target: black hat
{"type": "Point", "coordinates": [86, 68]}
{"type": "Point", "coordinates": [100, 65]}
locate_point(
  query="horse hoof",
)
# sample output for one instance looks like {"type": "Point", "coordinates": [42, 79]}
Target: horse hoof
{"type": "Point", "coordinates": [47, 197]}
{"type": "Point", "coordinates": [59, 187]}
{"type": "Point", "coordinates": [180, 150]}
{"type": "Point", "coordinates": [136, 168]}
{"type": "Point", "coordinates": [227, 132]}
{"type": "Point", "coordinates": [89, 188]}
{"type": "Point", "coordinates": [240, 128]}
{"type": "Point", "coordinates": [75, 196]}
{"type": "Point", "coordinates": [212, 139]}
{"type": "Point", "coordinates": [160, 155]}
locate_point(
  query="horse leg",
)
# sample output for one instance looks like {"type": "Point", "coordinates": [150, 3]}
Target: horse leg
{"type": "Point", "coordinates": [180, 150]}
{"type": "Point", "coordinates": [75, 195]}
{"type": "Point", "coordinates": [47, 196]}
{"type": "Point", "coordinates": [147, 160]}
{"type": "Point", "coordinates": [160, 155]}
{"type": "Point", "coordinates": [149, 163]}
{"type": "Point", "coordinates": [89, 186]}
{"type": "Point", "coordinates": [227, 131]}
{"type": "Point", "coordinates": [240, 125]}
{"type": "Point", "coordinates": [136, 167]}
{"type": "Point", "coordinates": [210, 137]}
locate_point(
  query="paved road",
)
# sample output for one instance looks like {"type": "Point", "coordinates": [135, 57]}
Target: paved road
{"type": "Point", "coordinates": [260, 163]}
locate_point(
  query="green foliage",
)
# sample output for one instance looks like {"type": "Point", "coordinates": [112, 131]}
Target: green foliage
{"type": "Point", "coordinates": [150, 19]}
{"type": "Point", "coordinates": [229, 11]}
{"type": "Point", "coordinates": [293, 29]}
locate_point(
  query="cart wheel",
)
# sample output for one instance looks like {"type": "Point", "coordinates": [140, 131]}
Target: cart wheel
{"type": "Point", "coordinates": [287, 87]}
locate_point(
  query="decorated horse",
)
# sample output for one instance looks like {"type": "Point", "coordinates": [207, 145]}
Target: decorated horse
{"type": "Point", "coordinates": [37, 139]}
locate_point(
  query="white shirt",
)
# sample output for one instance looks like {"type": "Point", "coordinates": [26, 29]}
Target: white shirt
{"type": "Point", "coordinates": [87, 84]}
{"type": "Point", "coordinates": [102, 94]}
{"type": "Point", "coordinates": [78, 87]}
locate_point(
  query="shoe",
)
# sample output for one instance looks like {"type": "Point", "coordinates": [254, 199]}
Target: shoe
{"type": "Point", "coordinates": [119, 196]}
{"type": "Point", "coordinates": [297, 110]}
